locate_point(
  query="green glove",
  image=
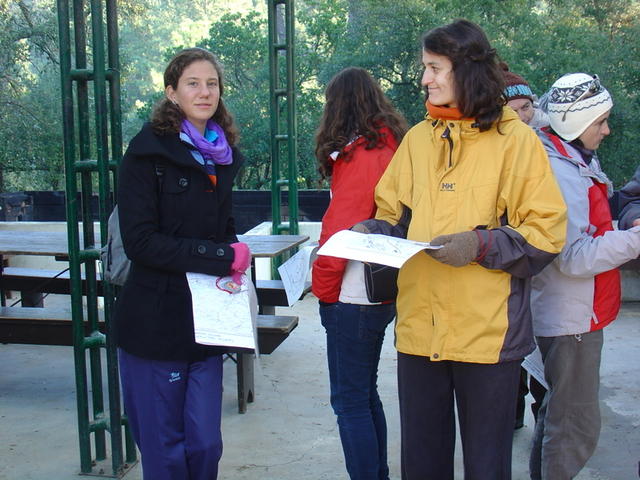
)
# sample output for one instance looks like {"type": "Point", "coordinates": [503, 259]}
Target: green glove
{"type": "Point", "coordinates": [458, 249]}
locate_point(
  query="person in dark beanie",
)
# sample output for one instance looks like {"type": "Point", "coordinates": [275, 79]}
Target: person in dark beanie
{"type": "Point", "coordinates": [629, 203]}
{"type": "Point", "coordinates": [521, 99]}
{"type": "Point", "coordinates": [578, 294]}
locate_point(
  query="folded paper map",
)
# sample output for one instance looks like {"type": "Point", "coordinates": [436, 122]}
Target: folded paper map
{"type": "Point", "coordinates": [373, 248]}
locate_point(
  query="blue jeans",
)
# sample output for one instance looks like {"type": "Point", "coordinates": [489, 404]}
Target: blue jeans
{"type": "Point", "coordinates": [354, 340]}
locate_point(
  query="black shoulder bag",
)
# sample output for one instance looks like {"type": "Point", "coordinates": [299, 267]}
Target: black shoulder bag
{"type": "Point", "coordinates": [381, 281]}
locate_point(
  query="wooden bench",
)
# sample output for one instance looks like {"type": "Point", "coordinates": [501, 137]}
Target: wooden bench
{"type": "Point", "coordinates": [38, 326]}
{"type": "Point", "coordinates": [45, 326]}
{"type": "Point", "coordinates": [32, 282]}
{"type": "Point", "coordinates": [272, 331]}
{"type": "Point", "coordinates": [271, 294]}
{"type": "Point", "coordinates": [53, 326]}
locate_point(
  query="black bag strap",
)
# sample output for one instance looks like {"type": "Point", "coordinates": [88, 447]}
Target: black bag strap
{"type": "Point", "coordinates": [402, 227]}
{"type": "Point", "coordinates": [160, 168]}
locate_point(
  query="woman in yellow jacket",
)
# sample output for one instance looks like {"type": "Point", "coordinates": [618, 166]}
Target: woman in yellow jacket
{"type": "Point", "coordinates": [478, 183]}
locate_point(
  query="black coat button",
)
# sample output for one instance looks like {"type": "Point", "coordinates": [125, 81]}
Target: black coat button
{"type": "Point", "coordinates": [183, 182]}
{"type": "Point", "coordinates": [202, 249]}
{"type": "Point", "coordinates": [220, 252]}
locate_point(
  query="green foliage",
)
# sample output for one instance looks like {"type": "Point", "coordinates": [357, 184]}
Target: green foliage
{"type": "Point", "coordinates": [29, 96]}
{"type": "Point", "coordinates": [539, 39]}
{"type": "Point", "coordinates": [576, 37]}
{"type": "Point", "coordinates": [239, 42]}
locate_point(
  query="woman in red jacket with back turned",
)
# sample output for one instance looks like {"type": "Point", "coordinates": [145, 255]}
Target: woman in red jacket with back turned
{"type": "Point", "coordinates": [358, 134]}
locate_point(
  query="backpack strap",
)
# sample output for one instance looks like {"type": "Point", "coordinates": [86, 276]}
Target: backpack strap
{"type": "Point", "coordinates": [160, 168]}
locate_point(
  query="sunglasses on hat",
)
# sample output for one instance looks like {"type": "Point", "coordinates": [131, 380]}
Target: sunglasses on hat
{"type": "Point", "coordinates": [593, 88]}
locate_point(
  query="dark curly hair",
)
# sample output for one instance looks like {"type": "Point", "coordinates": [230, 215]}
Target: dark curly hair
{"type": "Point", "coordinates": [355, 105]}
{"type": "Point", "coordinates": [479, 81]}
{"type": "Point", "coordinates": [167, 117]}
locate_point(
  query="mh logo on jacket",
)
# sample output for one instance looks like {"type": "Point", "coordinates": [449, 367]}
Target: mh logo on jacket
{"type": "Point", "coordinates": [447, 187]}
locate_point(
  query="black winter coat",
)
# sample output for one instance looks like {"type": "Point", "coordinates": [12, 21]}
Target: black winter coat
{"type": "Point", "coordinates": [629, 202]}
{"type": "Point", "coordinates": [170, 224]}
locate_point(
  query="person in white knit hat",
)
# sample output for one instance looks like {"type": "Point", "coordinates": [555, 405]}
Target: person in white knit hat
{"type": "Point", "coordinates": [577, 294]}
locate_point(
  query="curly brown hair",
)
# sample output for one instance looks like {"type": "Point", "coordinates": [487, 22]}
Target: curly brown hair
{"type": "Point", "coordinates": [355, 105]}
{"type": "Point", "coordinates": [478, 78]}
{"type": "Point", "coordinates": [167, 117]}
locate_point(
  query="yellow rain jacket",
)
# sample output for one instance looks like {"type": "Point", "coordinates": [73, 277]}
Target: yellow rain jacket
{"type": "Point", "coordinates": [455, 178]}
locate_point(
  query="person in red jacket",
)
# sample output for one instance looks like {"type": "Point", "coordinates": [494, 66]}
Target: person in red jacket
{"type": "Point", "coordinates": [358, 134]}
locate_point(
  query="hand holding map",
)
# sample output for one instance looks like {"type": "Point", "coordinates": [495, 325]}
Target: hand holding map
{"type": "Point", "coordinates": [224, 311]}
{"type": "Point", "coordinates": [373, 248]}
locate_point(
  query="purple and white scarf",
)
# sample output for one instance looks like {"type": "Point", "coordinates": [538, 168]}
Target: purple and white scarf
{"type": "Point", "coordinates": [214, 146]}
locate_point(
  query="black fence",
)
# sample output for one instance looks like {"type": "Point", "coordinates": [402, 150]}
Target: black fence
{"type": "Point", "coordinates": [251, 207]}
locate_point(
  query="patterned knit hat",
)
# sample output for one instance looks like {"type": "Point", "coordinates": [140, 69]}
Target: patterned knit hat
{"type": "Point", "coordinates": [574, 102]}
{"type": "Point", "coordinates": [516, 86]}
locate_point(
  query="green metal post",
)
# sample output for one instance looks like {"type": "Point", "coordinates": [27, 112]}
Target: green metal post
{"type": "Point", "coordinates": [106, 168]}
{"type": "Point", "coordinates": [283, 130]}
{"type": "Point", "coordinates": [81, 169]}
{"type": "Point", "coordinates": [292, 143]}
{"type": "Point", "coordinates": [72, 227]}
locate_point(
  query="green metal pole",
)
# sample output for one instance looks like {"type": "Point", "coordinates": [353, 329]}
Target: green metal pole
{"type": "Point", "coordinates": [101, 142]}
{"type": "Point", "coordinates": [82, 75]}
{"type": "Point", "coordinates": [274, 118]}
{"type": "Point", "coordinates": [72, 228]}
{"type": "Point", "coordinates": [106, 204]}
{"type": "Point", "coordinates": [81, 171]}
{"type": "Point", "coordinates": [283, 130]}
{"type": "Point", "coordinates": [292, 140]}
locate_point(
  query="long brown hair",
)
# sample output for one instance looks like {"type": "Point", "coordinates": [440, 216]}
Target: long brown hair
{"type": "Point", "coordinates": [355, 105]}
{"type": "Point", "coordinates": [167, 117]}
{"type": "Point", "coordinates": [479, 81]}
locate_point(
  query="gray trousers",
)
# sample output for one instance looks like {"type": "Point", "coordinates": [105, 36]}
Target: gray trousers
{"type": "Point", "coordinates": [568, 423]}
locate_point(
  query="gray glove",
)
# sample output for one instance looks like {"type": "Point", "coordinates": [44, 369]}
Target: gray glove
{"type": "Point", "coordinates": [458, 249]}
{"type": "Point", "coordinates": [360, 228]}
{"type": "Point", "coordinates": [382, 227]}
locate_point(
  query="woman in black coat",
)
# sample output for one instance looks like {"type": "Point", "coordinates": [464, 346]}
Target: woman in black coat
{"type": "Point", "coordinates": [175, 217]}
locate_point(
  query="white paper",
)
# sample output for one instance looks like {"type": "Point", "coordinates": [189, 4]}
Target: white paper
{"type": "Point", "coordinates": [220, 317]}
{"type": "Point", "coordinates": [532, 363]}
{"type": "Point", "coordinates": [294, 272]}
{"type": "Point", "coordinates": [372, 248]}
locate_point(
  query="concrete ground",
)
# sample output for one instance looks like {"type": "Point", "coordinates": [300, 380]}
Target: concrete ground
{"type": "Point", "coordinates": [289, 432]}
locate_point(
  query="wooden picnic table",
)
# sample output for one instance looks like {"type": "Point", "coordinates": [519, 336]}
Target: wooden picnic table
{"type": "Point", "coordinates": [273, 329]}
{"type": "Point", "coordinates": [55, 244]}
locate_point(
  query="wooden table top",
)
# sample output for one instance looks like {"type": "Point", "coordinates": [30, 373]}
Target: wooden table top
{"type": "Point", "coordinates": [271, 245]}
{"type": "Point", "coordinates": [23, 242]}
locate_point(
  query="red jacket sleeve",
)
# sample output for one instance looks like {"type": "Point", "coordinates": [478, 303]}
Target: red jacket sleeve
{"type": "Point", "coordinates": [352, 200]}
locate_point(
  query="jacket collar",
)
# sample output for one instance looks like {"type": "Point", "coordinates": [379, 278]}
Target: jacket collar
{"type": "Point", "coordinates": [558, 148]}
{"type": "Point", "coordinates": [169, 147]}
{"type": "Point", "coordinates": [386, 139]}
{"type": "Point", "coordinates": [174, 151]}
{"type": "Point", "coordinates": [467, 126]}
